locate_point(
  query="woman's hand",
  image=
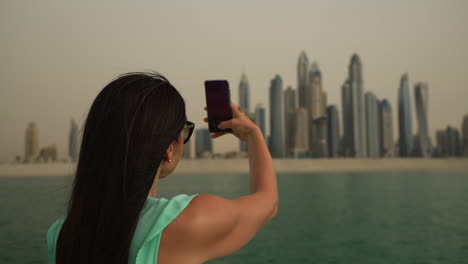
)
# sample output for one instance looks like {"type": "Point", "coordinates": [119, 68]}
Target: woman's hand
{"type": "Point", "coordinates": [240, 124]}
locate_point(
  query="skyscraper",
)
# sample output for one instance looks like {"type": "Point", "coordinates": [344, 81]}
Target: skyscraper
{"type": "Point", "coordinates": [244, 103]}
{"type": "Point", "coordinates": [276, 117]}
{"type": "Point", "coordinates": [386, 129]}
{"type": "Point", "coordinates": [317, 104]}
{"type": "Point", "coordinates": [452, 141]}
{"type": "Point", "coordinates": [404, 118]}
{"type": "Point", "coordinates": [421, 101]}
{"type": "Point", "coordinates": [320, 132]}
{"type": "Point", "coordinates": [317, 113]}
{"type": "Point", "coordinates": [244, 98]}
{"type": "Point", "coordinates": [373, 125]}
{"type": "Point", "coordinates": [333, 131]}
{"type": "Point", "coordinates": [346, 142]}
{"type": "Point", "coordinates": [260, 118]}
{"type": "Point", "coordinates": [301, 136]}
{"type": "Point", "coordinates": [73, 143]}
{"type": "Point", "coordinates": [465, 135]}
{"type": "Point", "coordinates": [303, 79]}
{"type": "Point", "coordinates": [203, 143]}
{"type": "Point", "coordinates": [355, 141]}
{"type": "Point", "coordinates": [31, 143]}
{"type": "Point", "coordinates": [290, 106]}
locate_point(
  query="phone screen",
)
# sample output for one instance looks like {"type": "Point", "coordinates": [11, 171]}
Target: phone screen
{"type": "Point", "coordinates": [218, 104]}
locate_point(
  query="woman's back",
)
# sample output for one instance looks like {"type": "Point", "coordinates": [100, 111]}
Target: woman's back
{"type": "Point", "coordinates": [134, 135]}
{"type": "Point", "coordinates": [155, 216]}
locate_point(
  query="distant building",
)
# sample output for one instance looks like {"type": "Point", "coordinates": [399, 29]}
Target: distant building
{"type": "Point", "coordinates": [276, 118]}
{"type": "Point", "coordinates": [244, 103]}
{"type": "Point", "coordinates": [404, 118]}
{"type": "Point", "coordinates": [386, 129]}
{"type": "Point", "coordinates": [317, 97]}
{"type": "Point", "coordinates": [421, 101]}
{"type": "Point", "coordinates": [73, 141]}
{"type": "Point", "coordinates": [31, 143]}
{"type": "Point", "coordinates": [203, 143]}
{"type": "Point", "coordinates": [333, 131]}
{"type": "Point", "coordinates": [301, 137]}
{"type": "Point", "coordinates": [354, 123]}
{"type": "Point", "coordinates": [303, 79]}
{"type": "Point", "coordinates": [48, 153]}
{"type": "Point", "coordinates": [346, 141]}
{"type": "Point", "coordinates": [244, 90]}
{"type": "Point", "coordinates": [373, 125]}
{"type": "Point", "coordinates": [448, 143]}
{"type": "Point", "coordinates": [290, 107]}
{"type": "Point", "coordinates": [441, 144]}
{"type": "Point", "coordinates": [317, 113]}
{"type": "Point", "coordinates": [320, 133]}
{"type": "Point", "coordinates": [454, 143]}
{"type": "Point", "coordinates": [260, 118]}
{"type": "Point", "coordinates": [465, 135]}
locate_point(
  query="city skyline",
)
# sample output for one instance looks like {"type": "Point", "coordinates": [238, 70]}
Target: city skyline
{"type": "Point", "coordinates": [59, 55]}
{"type": "Point", "coordinates": [290, 132]}
{"type": "Point", "coordinates": [293, 130]}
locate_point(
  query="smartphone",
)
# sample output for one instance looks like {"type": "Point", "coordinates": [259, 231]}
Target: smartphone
{"type": "Point", "coordinates": [218, 104]}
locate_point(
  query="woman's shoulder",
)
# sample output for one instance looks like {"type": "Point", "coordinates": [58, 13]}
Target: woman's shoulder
{"type": "Point", "coordinates": [158, 213]}
{"type": "Point", "coordinates": [203, 214]}
{"type": "Point", "coordinates": [204, 221]}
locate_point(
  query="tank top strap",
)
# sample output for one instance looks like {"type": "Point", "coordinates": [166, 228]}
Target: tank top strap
{"type": "Point", "coordinates": [157, 214]}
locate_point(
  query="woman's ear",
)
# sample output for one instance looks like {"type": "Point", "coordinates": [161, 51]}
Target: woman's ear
{"type": "Point", "coordinates": [169, 152]}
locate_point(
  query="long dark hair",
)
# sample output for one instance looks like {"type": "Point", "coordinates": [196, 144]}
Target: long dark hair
{"type": "Point", "coordinates": [130, 125]}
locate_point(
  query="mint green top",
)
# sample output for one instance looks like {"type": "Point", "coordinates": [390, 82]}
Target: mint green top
{"type": "Point", "coordinates": [157, 213]}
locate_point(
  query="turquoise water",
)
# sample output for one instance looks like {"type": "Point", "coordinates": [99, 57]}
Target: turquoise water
{"type": "Point", "coordinates": [391, 217]}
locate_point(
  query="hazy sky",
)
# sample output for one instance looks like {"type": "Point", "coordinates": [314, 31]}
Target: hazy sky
{"type": "Point", "coordinates": [57, 55]}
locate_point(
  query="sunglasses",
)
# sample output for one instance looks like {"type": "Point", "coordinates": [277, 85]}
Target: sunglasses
{"type": "Point", "coordinates": [188, 130]}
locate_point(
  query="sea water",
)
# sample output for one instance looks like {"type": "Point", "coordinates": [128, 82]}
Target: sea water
{"type": "Point", "coordinates": [381, 217]}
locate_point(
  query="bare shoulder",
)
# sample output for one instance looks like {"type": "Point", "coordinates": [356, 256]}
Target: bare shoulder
{"type": "Point", "coordinates": [203, 215]}
{"type": "Point", "coordinates": [198, 225]}
{"type": "Point", "coordinates": [212, 226]}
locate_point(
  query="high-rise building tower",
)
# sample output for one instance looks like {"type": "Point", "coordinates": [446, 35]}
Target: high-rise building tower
{"type": "Point", "coordinates": [31, 143]}
{"type": "Point", "coordinates": [276, 118]}
{"type": "Point", "coordinates": [317, 113]}
{"type": "Point", "coordinates": [244, 90]}
{"type": "Point", "coordinates": [303, 79]}
{"type": "Point", "coordinates": [346, 142]}
{"type": "Point", "coordinates": [301, 135]}
{"type": "Point", "coordinates": [404, 118]}
{"type": "Point", "coordinates": [441, 144]}
{"type": "Point", "coordinates": [260, 119]}
{"type": "Point", "coordinates": [386, 129]}
{"type": "Point", "coordinates": [290, 107]}
{"type": "Point", "coordinates": [451, 144]}
{"type": "Point", "coordinates": [317, 99]}
{"type": "Point", "coordinates": [333, 131]}
{"type": "Point", "coordinates": [244, 103]}
{"type": "Point", "coordinates": [373, 125]}
{"type": "Point", "coordinates": [320, 132]}
{"type": "Point", "coordinates": [203, 143]}
{"type": "Point", "coordinates": [421, 101]}
{"type": "Point", "coordinates": [354, 123]}
{"type": "Point", "coordinates": [465, 135]}
{"type": "Point", "coordinates": [73, 141]}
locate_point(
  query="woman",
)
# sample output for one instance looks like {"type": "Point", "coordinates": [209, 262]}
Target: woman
{"type": "Point", "coordinates": [133, 136]}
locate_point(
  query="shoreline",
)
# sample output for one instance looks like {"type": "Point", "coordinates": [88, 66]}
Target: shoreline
{"type": "Point", "coordinates": [242, 166]}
